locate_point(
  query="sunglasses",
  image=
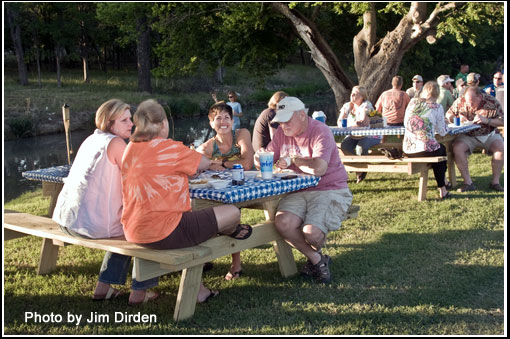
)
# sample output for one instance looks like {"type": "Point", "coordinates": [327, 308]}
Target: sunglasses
{"type": "Point", "coordinates": [230, 96]}
{"type": "Point", "coordinates": [498, 78]}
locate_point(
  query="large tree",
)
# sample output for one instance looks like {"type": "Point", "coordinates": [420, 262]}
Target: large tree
{"type": "Point", "coordinates": [377, 58]}
{"type": "Point", "coordinates": [13, 19]}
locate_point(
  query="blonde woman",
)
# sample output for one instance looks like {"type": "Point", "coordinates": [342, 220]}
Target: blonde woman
{"type": "Point", "coordinates": [157, 210]}
{"type": "Point", "coordinates": [357, 112]}
{"type": "Point", "coordinates": [264, 130]}
{"type": "Point", "coordinates": [90, 203]}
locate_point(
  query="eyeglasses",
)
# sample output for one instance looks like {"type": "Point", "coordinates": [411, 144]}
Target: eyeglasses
{"type": "Point", "coordinates": [230, 96]}
{"type": "Point", "coordinates": [498, 78]}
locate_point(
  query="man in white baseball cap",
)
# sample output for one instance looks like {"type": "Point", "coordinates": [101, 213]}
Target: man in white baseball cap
{"type": "Point", "coordinates": [445, 97]}
{"type": "Point", "coordinates": [414, 92]}
{"type": "Point", "coordinates": [304, 218]}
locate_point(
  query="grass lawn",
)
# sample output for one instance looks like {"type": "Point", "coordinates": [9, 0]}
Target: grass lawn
{"type": "Point", "coordinates": [402, 267]}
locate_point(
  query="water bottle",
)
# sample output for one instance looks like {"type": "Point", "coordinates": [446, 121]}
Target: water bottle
{"type": "Point", "coordinates": [237, 174]}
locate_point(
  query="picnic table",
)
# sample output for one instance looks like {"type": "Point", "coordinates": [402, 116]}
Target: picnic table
{"type": "Point", "coordinates": [255, 193]}
{"type": "Point", "coordinates": [447, 140]}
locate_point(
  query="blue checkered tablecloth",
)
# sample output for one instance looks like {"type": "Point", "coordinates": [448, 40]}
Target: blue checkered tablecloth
{"type": "Point", "coordinates": [254, 189]}
{"type": "Point", "coordinates": [394, 130]}
{"type": "Point", "coordinates": [51, 174]}
{"type": "Point", "coordinates": [365, 131]}
{"type": "Point", "coordinates": [454, 130]}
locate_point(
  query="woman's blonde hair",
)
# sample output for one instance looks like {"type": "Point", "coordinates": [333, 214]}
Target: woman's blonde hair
{"type": "Point", "coordinates": [275, 99]}
{"type": "Point", "coordinates": [363, 91]}
{"type": "Point", "coordinates": [430, 90]}
{"type": "Point", "coordinates": [108, 112]}
{"type": "Point", "coordinates": [148, 119]}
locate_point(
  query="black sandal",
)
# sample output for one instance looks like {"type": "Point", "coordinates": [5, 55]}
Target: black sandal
{"type": "Point", "coordinates": [240, 228]}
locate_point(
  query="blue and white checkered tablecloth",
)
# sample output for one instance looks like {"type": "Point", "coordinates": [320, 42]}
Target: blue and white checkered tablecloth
{"type": "Point", "coordinates": [365, 131]}
{"type": "Point", "coordinates": [51, 174]}
{"type": "Point", "coordinates": [454, 130]}
{"type": "Point", "coordinates": [254, 189]}
{"type": "Point", "coordinates": [395, 130]}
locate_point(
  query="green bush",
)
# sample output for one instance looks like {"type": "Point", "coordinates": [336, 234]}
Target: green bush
{"type": "Point", "coordinates": [22, 127]}
{"type": "Point", "coordinates": [182, 108]}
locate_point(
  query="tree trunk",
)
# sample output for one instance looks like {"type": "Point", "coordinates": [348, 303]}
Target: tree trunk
{"type": "Point", "coordinates": [58, 54]}
{"type": "Point", "coordinates": [219, 73]}
{"type": "Point", "coordinates": [375, 62]}
{"type": "Point", "coordinates": [38, 60]}
{"type": "Point", "coordinates": [322, 54]}
{"type": "Point", "coordinates": [143, 55]}
{"type": "Point", "coordinates": [15, 31]}
{"type": "Point", "coordinates": [85, 69]}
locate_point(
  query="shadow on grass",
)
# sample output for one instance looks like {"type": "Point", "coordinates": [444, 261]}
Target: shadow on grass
{"type": "Point", "coordinates": [403, 283]}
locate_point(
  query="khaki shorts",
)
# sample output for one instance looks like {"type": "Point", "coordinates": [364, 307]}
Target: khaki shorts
{"type": "Point", "coordinates": [323, 209]}
{"type": "Point", "coordinates": [479, 141]}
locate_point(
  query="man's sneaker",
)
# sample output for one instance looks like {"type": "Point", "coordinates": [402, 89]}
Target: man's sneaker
{"type": "Point", "coordinates": [467, 188]}
{"type": "Point", "coordinates": [496, 187]}
{"type": "Point", "coordinates": [308, 269]}
{"type": "Point", "coordinates": [322, 274]}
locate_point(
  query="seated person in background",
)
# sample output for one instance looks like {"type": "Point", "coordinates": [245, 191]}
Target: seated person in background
{"type": "Point", "coordinates": [497, 81]}
{"type": "Point", "coordinates": [227, 148]}
{"type": "Point", "coordinates": [90, 203]}
{"type": "Point", "coordinates": [264, 130]}
{"type": "Point", "coordinates": [473, 80]}
{"type": "Point", "coordinates": [392, 103]}
{"type": "Point", "coordinates": [155, 190]}
{"type": "Point", "coordinates": [424, 118]}
{"type": "Point", "coordinates": [357, 112]}
{"type": "Point", "coordinates": [485, 110]}
{"type": "Point", "coordinates": [414, 92]}
{"type": "Point", "coordinates": [304, 218]}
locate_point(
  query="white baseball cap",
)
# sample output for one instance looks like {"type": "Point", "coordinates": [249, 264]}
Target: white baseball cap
{"type": "Point", "coordinates": [443, 79]}
{"type": "Point", "coordinates": [418, 78]}
{"type": "Point", "coordinates": [286, 107]}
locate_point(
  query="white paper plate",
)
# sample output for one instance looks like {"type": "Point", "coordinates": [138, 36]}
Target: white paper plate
{"type": "Point", "coordinates": [199, 183]}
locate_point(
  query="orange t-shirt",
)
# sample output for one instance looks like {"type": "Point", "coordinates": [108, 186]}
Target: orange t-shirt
{"type": "Point", "coordinates": [155, 189]}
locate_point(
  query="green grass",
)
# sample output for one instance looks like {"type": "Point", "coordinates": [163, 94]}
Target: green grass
{"type": "Point", "coordinates": [402, 267]}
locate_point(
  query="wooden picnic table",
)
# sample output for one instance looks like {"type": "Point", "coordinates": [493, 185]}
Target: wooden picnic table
{"type": "Point", "coordinates": [447, 140]}
{"type": "Point", "coordinates": [259, 194]}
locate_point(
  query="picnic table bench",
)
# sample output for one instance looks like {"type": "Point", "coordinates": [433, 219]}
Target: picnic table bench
{"type": "Point", "coordinates": [380, 163]}
{"type": "Point", "coordinates": [149, 263]}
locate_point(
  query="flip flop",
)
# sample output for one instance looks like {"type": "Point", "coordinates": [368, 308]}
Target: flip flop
{"type": "Point", "coordinates": [149, 295]}
{"type": "Point", "coordinates": [240, 228]}
{"type": "Point", "coordinates": [233, 275]}
{"type": "Point", "coordinates": [112, 293]}
{"type": "Point", "coordinates": [211, 295]}
{"type": "Point", "coordinates": [446, 196]}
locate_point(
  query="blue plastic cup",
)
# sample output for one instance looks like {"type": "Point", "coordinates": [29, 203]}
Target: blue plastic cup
{"type": "Point", "coordinates": [456, 121]}
{"type": "Point", "coordinates": [344, 122]}
{"type": "Point", "coordinates": [321, 119]}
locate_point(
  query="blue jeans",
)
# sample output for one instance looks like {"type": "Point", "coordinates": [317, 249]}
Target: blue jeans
{"type": "Point", "coordinates": [349, 144]}
{"type": "Point", "coordinates": [115, 267]}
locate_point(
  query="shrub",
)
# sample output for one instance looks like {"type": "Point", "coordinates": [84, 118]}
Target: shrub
{"type": "Point", "coordinates": [22, 126]}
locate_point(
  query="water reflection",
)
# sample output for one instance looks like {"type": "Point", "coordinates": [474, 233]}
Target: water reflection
{"type": "Point", "coordinates": [50, 150]}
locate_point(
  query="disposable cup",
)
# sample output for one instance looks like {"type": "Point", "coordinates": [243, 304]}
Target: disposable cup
{"type": "Point", "coordinates": [266, 165]}
{"type": "Point", "coordinates": [456, 121]}
{"type": "Point", "coordinates": [344, 122]}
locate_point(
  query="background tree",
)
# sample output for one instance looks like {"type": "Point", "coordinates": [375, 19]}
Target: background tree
{"type": "Point", "coordinates": [13, 19]}
{"type": "Point", "coordinates": [134, 23]}
{"type": "Point", "coordinates": [377, 59]}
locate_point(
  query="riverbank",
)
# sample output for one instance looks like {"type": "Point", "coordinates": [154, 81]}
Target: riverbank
{"type": "Point", "coordinates": [32, 111]}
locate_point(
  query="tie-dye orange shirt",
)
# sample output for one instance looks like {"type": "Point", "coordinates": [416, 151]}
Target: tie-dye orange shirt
{"type": "Point", "coordinates": [155, 189]}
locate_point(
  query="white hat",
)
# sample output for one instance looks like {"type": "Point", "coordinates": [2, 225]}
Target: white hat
{"type": "Point", "coordinates": [286, 107]}
{"type": "Point", "coordinates": [418, 78]}
{"type": "Point", "coordinates": [443, 79]}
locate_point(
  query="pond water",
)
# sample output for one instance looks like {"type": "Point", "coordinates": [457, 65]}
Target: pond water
{"type": "Point", "coordinates": [50, 150]}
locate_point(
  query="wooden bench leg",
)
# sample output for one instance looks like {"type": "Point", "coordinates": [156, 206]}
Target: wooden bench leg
{"type": "Point", "coordinates": [188, 292]}
{"type": "Point", "coordinates": [424, 180]}
{"type": "Point", "coordinates": [48, 258]}
{"type": "Point", "coordinates": [285, 258]}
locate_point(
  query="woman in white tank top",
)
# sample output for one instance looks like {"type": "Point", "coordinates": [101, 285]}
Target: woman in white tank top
{"type": "Point", "coordinates": [90, 203]}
